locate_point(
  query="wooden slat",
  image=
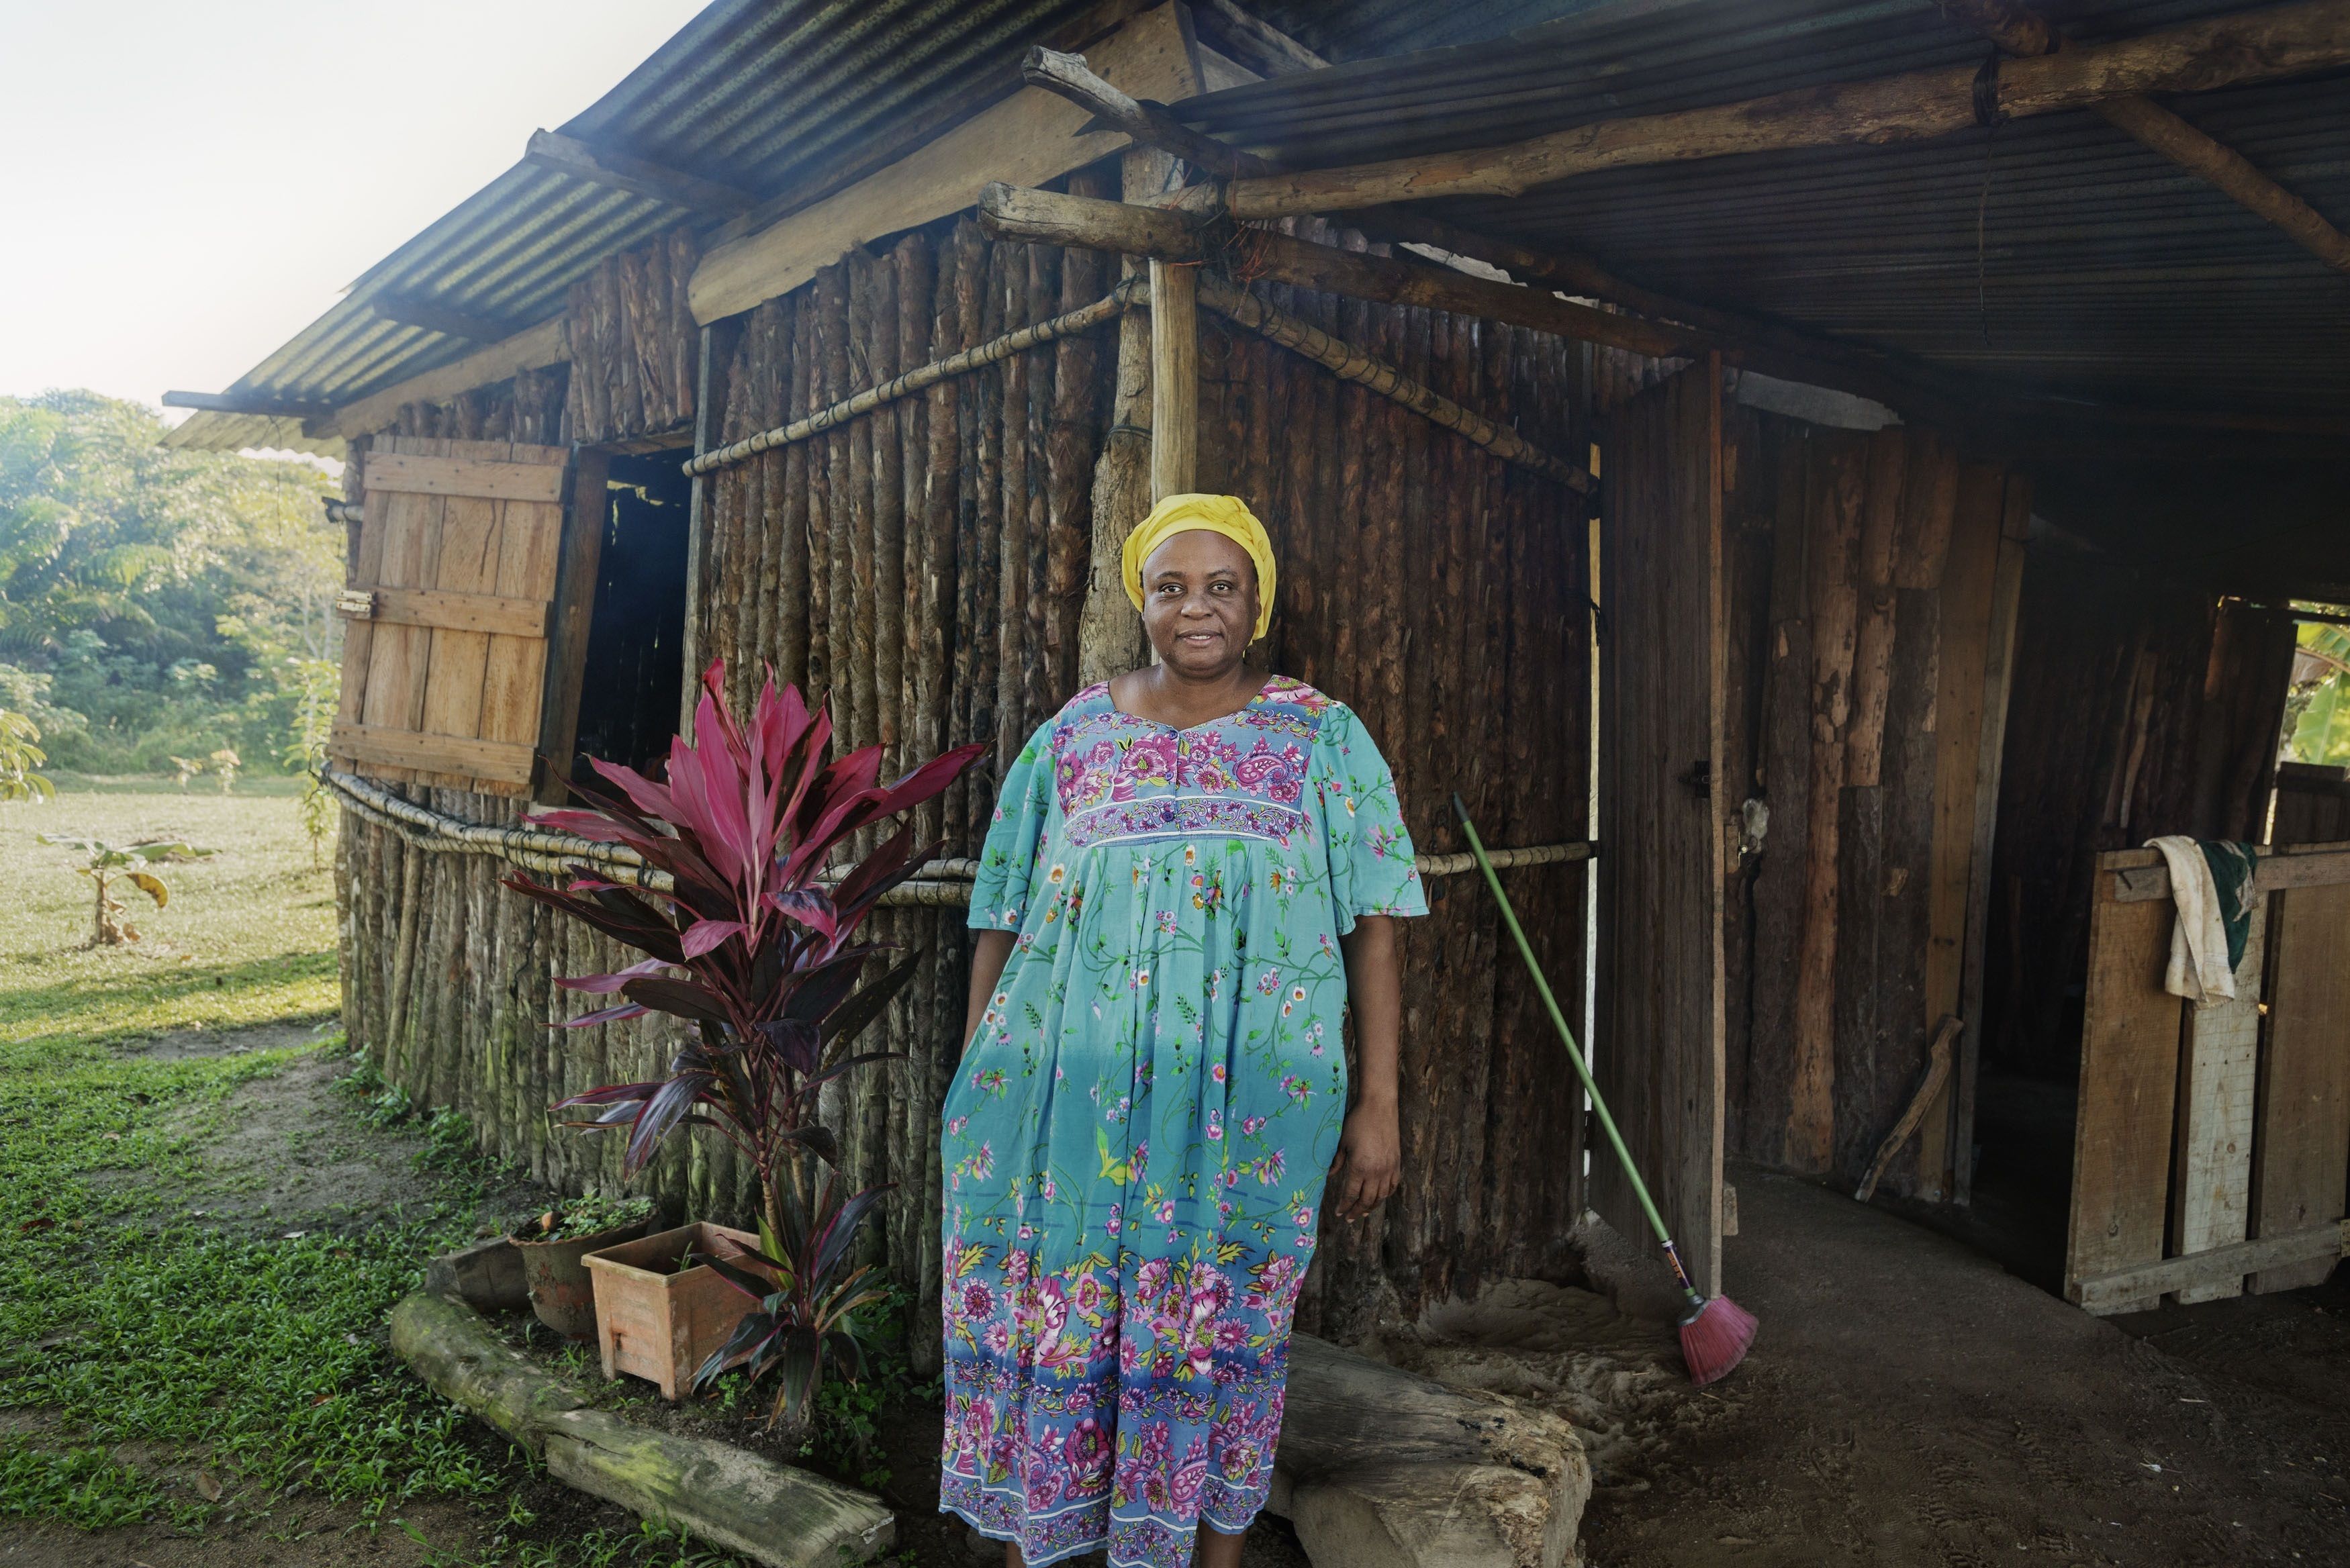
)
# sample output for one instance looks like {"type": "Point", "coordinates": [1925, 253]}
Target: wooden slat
{"type": "Point", "coordinates": [491, 763]}
{"type": "Point", "coordinates": [456, 611]}
{"type": "Point", "coordinates": [472, 477]}
{"type": "Point", "coordinates": [1969, 541]}
{"type": "Point", "coordinates": [1999, 671]}
{"type": "Point", "coordinates": [2317, 1248]}
{"type": "Point", "coordinates": [2302, 1125]}
{"type": "Point", "coordinates": [514, 682]}
{"type": "Point", "coordinates": [471, 529]}
{"type": "Point", "coordinates": [2211, 1207]}
{"type": "Point", "coordinates": [1660, 1061]}
{"type": "Point", "coordinates": [2129, 1085]}
{"type": "Point", "coordinates": [2144, 876]}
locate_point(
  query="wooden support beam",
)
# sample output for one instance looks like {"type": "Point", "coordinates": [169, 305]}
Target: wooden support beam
{"type": "Point", "coordinates": [548, 343]}
{"type": "Point", "coordinates": [1805, 356]}
{"type": "Point", "coordinates": [1174, 377]}
{"type": "Point", "coordinates": [1262, 47]}
{"type": "Point", "coordinates": [2028, 35]}
{"type": "Point", "coordinates": [246, 403]}
{"type": "Point", "coordinates": [1349, 363]}
{"type": "Point", "coordinates": [636, 175]}
{"type": "Point", "coordinates": [2198, 56]}
{"type": "Point", "coordinates": [409, 310]}
{"type": "Point", "coordinates": [1048, 217]}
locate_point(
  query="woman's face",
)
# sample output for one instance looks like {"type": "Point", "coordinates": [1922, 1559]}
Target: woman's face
{"type": "Point", "coordinates": [1198, 603]}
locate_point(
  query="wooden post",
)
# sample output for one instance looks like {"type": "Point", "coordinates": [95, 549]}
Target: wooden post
{"type": "Point", "coordinates": [710, 392]}
{"type": "Point", "coordinates": [1109, 636]}
{"type": "Point", "coordinates": [1174, 377]}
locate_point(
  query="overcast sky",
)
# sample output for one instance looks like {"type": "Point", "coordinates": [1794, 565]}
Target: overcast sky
{"type": "Point", "coordinates": [188, 185]}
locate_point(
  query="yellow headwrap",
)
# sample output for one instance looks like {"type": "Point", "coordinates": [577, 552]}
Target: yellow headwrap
{"type": "Point", "coordinates": [1225, 514]}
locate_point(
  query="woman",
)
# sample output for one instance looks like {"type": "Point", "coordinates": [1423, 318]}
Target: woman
{"type": "Point", "coordinates": [1193, 868]}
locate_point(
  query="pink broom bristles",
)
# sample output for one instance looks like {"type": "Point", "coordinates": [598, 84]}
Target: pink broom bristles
{"type": "Point", "coordinates": [1715, 1338]}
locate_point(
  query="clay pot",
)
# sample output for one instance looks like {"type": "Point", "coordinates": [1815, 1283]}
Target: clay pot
{"type": "Point", "coordinates": [557, 1275]}
{"type": "Point", "coordinates": [656, 1321]}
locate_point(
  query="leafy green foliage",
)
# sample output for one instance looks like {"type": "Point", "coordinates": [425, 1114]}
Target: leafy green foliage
{"type": "Point", "coordinates": [319, 688]}
{"type": "Point", "coordinates": [20, 754]}
{"type": "Point", "coordinates": [158, 592]}
{"type": "Point", "coordinates": [2317, 714]}
{"type": "Point", "coordinates": [589, 1216]}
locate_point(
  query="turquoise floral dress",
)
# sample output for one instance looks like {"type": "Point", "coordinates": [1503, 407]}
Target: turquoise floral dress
{"type": "Point", "coordinates": [1136, 1136]}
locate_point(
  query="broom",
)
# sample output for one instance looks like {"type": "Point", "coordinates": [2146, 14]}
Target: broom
{"type": "Point", "coordinates": [1716, 1333]}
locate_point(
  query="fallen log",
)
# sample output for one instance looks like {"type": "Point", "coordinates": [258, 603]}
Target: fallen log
{"type": "Point", "coordinates": [729, 1497]}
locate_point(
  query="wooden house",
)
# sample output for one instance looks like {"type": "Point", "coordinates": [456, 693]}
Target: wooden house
{"type": "Point", "coordinates": [1853, 462]}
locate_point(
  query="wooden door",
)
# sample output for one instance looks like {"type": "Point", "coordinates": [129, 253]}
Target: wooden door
{"type": "Point", "coordinates": [1663, 656]}
{"type": "Point", "coordinates": [450, 607]}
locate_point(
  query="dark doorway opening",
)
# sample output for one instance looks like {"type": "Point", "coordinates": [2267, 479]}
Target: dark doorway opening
{"type": "Point", "coordinates": [636, 656]}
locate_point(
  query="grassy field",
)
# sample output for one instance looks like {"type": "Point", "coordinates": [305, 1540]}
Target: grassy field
{"type": "Point", "coordinates": [207, 1208]}
{"type": "Point", "coordinates": [247, 938]}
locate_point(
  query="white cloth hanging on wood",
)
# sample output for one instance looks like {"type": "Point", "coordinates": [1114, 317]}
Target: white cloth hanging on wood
{"type": "Point", "coordinates": [2200, 969]}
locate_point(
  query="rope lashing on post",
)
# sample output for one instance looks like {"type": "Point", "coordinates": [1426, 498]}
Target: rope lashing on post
{"type": "Point", "coordinates": [1085, 318]}
{"type": "Point", "coordinates": [944, 883]}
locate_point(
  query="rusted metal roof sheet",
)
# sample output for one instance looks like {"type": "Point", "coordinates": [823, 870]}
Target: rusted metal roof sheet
{"type": "Point", "coordinates": [2053, 256]}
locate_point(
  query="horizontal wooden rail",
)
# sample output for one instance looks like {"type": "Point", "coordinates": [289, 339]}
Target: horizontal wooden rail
{"type": "Point", "coordinates": [451, 611]}
{"type": "Point", "coordinates": [500, 762]}
{"type": "Point", "coordinates": [2144, 876]}
{"type": "Point", "coordinates": [944, 882]}
{"type": "Point", "coordinates": [2146, 1281]}
{"type": "Point", "coordinates": [1085, 318]}
{"type": "Point", "coordinates": [478, 479]}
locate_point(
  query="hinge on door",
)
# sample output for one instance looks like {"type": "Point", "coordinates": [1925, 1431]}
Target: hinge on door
{"type": "Point", "coordinates": [355, 603]}
{"type": "Point", "coordinates": [1699, 780]}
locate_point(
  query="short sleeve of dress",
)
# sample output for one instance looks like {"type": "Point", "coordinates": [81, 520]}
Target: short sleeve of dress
{"type": "Point", "coordinates": [999, 888]}
{"type": "Point", "coordinates": [1370, 854]}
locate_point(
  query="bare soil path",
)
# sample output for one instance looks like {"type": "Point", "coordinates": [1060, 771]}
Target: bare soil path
{"type": "Point", "coordinates": [1910, 1402]}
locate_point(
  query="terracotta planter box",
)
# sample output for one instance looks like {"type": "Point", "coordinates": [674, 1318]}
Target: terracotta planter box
{"type": "Point", "coordinates": [657, 1322]}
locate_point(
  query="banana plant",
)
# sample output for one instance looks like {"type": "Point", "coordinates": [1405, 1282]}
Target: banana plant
{"type": "Point", "coordinates": [105, 864]}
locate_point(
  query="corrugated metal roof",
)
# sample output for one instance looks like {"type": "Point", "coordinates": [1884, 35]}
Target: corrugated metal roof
{"type": "Point", "coordinates": [2100, 270]}
{"type": "Point", "coordinates": [763, 95]}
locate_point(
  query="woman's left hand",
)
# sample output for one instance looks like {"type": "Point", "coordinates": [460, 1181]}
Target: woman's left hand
{"type": "Point", "coordinates": [1370, 1160]}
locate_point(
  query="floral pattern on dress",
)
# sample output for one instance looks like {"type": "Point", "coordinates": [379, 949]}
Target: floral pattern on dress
{"type": "Point", "coordinates": [1137, 1136]}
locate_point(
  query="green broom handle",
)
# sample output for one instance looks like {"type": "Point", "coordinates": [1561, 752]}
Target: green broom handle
{"type": "Point", "coordinates": [1567, 1035]}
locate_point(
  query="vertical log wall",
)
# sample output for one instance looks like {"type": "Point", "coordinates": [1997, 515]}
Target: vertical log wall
{"type": "Point", "coordinates": [2143, 705]}
{"type": "Point", "coordinates": [1860, 595]}
{"type": "Point", "coordinates": [926, 566]}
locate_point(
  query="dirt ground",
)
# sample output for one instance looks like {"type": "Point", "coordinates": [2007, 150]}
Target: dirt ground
{"type": "Point", "coordinates": [1910, 1401]}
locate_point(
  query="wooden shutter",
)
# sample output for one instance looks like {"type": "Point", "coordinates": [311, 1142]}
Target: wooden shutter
{"type": "Point", "coordinates": [1660, 999]}
{"type": "Point", "coordinates": [449, 608]}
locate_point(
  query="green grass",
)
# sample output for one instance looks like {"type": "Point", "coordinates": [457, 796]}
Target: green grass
{"type": "Point", "coordinates": [123, 1321]}
{"type": "Point", "coordinates": [140, 1342]}
{"type": "Point", "coordinates": [247, 938]}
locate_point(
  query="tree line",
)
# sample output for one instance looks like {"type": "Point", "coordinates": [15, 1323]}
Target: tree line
{"type": "Point", "coordinates": [158, 605]}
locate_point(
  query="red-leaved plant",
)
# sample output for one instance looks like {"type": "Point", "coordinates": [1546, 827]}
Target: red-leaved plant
{"type": "Point", "coordinates": [772, 989]}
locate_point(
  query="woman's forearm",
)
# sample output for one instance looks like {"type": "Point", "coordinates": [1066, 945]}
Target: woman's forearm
{"type": "Point", "coordinates": [990, 951]}
{"type": "Point", "coordinates": [1375, 992]}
